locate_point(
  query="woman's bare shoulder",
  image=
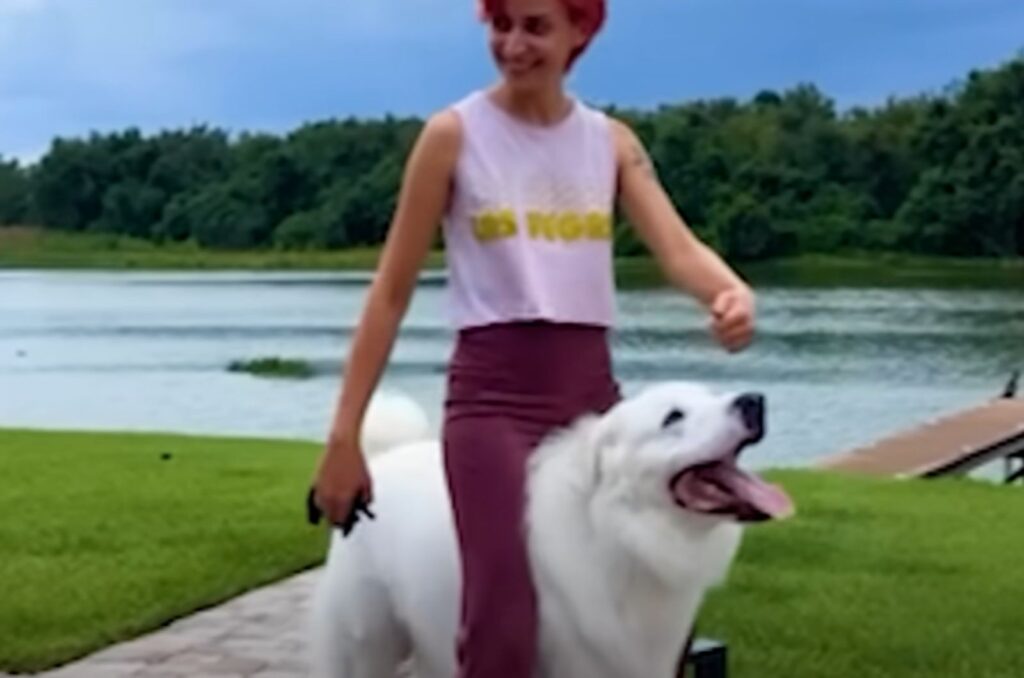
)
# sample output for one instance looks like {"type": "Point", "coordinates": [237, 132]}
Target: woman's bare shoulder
{"type": "Point", "coordinates": [624, 137]}
{"type": "Point", "coordinates": [442, 132]}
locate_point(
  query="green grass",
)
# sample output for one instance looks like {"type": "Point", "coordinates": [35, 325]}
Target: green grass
{"type": "Point", "coordinates": [104, 539]}
{"type": "Point", "coordinates": [859, 269]}
{"type": "Point", "coordinates": [273, 367]}
{"type": "Point", "coordinates": [879, 579]}
{"type": "Point", "coordinates": [25, 247]}
{"type": "Point", "coordinates": [854, 269]}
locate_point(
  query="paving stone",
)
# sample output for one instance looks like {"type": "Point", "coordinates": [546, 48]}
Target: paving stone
{"type": "Point", "coordinates": [261, 634]}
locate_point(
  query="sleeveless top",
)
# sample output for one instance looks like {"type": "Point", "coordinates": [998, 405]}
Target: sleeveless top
{"type": "Point", "coordinates": [528, 231]}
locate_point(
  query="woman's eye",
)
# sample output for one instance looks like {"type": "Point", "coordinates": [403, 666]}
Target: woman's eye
{"type": "Point", "coordinates": [536, 26]}
{"type": "Point", "coordinates": [501, 23]}
{"type": "Point", "coordinates": [673, 417]}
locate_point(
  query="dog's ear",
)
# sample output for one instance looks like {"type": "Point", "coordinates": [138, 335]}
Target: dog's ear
{"type": "Point", "coordinates": [603, 437]}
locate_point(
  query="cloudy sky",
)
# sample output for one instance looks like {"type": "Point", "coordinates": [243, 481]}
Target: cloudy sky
{"type": "Point", "coordinates": [71, 66]}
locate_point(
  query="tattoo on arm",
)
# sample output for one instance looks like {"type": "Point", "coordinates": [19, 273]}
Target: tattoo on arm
{"type": "Point", "coordinates": [640, 160]}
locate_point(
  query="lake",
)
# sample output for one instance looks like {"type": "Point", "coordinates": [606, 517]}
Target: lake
{"type": "Point", "coordinates": [149, 351]}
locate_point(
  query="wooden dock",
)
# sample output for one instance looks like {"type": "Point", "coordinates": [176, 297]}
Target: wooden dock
{"type": "Point", "coordinates": [953, 444]}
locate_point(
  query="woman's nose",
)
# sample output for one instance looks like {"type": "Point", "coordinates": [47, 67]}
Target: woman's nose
{"type": "Point", "coordinates": [514, 42]}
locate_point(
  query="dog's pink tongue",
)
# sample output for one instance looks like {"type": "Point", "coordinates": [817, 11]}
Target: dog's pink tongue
{"type": "Point", "coordinates": [726, 488]}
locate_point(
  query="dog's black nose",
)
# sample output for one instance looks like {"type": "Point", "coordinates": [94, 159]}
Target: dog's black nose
{"type": "Point", "coordinates": [751, 409]}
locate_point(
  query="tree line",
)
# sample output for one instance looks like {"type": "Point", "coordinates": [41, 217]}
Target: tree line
{"type": "Point", "coordinates": [779, 174]}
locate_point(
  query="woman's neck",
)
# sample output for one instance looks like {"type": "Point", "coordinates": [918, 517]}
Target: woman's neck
{"type": "Point", "coordinates": [538, 107]}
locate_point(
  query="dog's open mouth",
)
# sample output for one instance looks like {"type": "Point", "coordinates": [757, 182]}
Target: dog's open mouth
{"type": "Point", "coordinates": [722, 488]}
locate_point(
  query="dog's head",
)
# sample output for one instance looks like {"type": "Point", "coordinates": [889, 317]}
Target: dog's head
{"type": "Point", "coordinates": [677, 445]}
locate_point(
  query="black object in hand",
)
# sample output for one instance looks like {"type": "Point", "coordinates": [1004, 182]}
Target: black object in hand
{"type": "Point", "coordinates": [313, 513]}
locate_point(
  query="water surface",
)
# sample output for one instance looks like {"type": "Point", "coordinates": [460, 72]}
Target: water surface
{"type": "Point", "coordinates": [149, 351]}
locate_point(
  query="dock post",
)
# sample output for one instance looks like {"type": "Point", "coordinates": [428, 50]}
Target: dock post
{"type": "Point", "coordinates": [1012, 474]}
{"type": "Point", "coordinates": [709, 659]}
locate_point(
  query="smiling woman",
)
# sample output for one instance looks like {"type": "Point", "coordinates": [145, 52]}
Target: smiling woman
{"type": "Point", "coordinates": [524, 177]}
{"type": "Point", "coordinates": [586, 15]}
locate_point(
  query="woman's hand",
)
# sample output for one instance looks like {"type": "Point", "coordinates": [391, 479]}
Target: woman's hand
{"type": "Point", "coordinates": [341, 480]}
{"type": "Point", "coordinates": [687, 263]}
{"type": "Point", "coordinates": [732, 318]}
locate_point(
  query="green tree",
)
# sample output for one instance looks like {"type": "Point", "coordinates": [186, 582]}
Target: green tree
{"type": "Point", "coordinates": [221, 216]}
{"type": "Point", "coordinates": [14, 193]}
{"type": "Point", "coordinates": [779, 174]}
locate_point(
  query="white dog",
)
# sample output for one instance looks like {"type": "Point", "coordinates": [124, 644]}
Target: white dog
{"type": "Point", "coordinates": [632, 516]}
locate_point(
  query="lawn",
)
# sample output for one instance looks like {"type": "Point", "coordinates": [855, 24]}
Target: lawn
{"type": "Point", "coordinates": [879, 579]}
{"type": "Point", "coordinates": [106, 536]}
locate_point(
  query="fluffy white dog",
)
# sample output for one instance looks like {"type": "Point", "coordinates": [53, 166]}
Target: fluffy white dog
{"type": "Point", "coordinates": [632, 516]}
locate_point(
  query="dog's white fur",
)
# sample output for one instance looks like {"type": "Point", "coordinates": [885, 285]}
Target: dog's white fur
{"type": "Point", "coordinates": [620, 568]}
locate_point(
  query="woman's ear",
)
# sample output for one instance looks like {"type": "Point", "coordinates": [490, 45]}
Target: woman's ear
{"type": "Point", "coordinates": [580, 36]}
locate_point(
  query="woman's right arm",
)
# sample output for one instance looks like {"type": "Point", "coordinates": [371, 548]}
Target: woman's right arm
{"type": "Point", "coordinates": [342, 476]}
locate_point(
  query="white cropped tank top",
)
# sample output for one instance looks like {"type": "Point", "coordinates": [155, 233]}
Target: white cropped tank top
{"type": "Point", "coordinates": [528, 232]}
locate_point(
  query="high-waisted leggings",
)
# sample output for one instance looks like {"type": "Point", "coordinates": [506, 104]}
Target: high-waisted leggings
{"type": "Point", "coordinates": [508, 386]}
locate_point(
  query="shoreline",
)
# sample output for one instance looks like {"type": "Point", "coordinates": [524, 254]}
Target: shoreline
{"type": "Point", "coordinates": [25, 248]}
{"type": "Point", "coordinates": [895, 271]}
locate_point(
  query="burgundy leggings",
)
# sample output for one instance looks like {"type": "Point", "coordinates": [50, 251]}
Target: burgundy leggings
{"type": "Point", "coordinates": [508, 386]}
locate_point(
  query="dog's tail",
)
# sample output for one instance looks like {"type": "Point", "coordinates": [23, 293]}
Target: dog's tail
{"type": "Point", "coordinates": [393, 419]}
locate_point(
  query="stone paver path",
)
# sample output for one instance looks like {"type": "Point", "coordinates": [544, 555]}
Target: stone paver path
{"type": "Point", "coordinates": [258, 634]}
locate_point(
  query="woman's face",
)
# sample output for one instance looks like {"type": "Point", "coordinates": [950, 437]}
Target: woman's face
{"type": "Point", "coordinates": [532, 40]}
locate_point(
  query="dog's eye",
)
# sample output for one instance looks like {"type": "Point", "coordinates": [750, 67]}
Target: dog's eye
{"type": "Point", "coordinates": [673, 417]}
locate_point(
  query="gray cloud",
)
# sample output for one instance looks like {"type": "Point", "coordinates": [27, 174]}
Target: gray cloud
{"type": "Point", "coordinates": [71, 66]}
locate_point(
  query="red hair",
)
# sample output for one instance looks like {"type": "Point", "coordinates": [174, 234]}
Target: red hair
{"type": "Point", "coordinates": [588, 15]}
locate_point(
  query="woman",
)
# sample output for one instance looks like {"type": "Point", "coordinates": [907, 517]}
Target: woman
{"type": "Point", "coordinates": [524, 178]}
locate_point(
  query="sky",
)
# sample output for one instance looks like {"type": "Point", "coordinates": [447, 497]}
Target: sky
{"type": "Point", "coordinates": [69, 67]}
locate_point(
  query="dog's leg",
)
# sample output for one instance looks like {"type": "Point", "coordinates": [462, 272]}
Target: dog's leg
{"type": "Point", "coordinates": [354, 632]}
{"type": "Point", "coordinates": [352, 649]}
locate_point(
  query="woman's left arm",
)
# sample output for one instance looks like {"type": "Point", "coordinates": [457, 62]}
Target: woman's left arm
{"type": "Point", "coordinates": [685, 261]}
